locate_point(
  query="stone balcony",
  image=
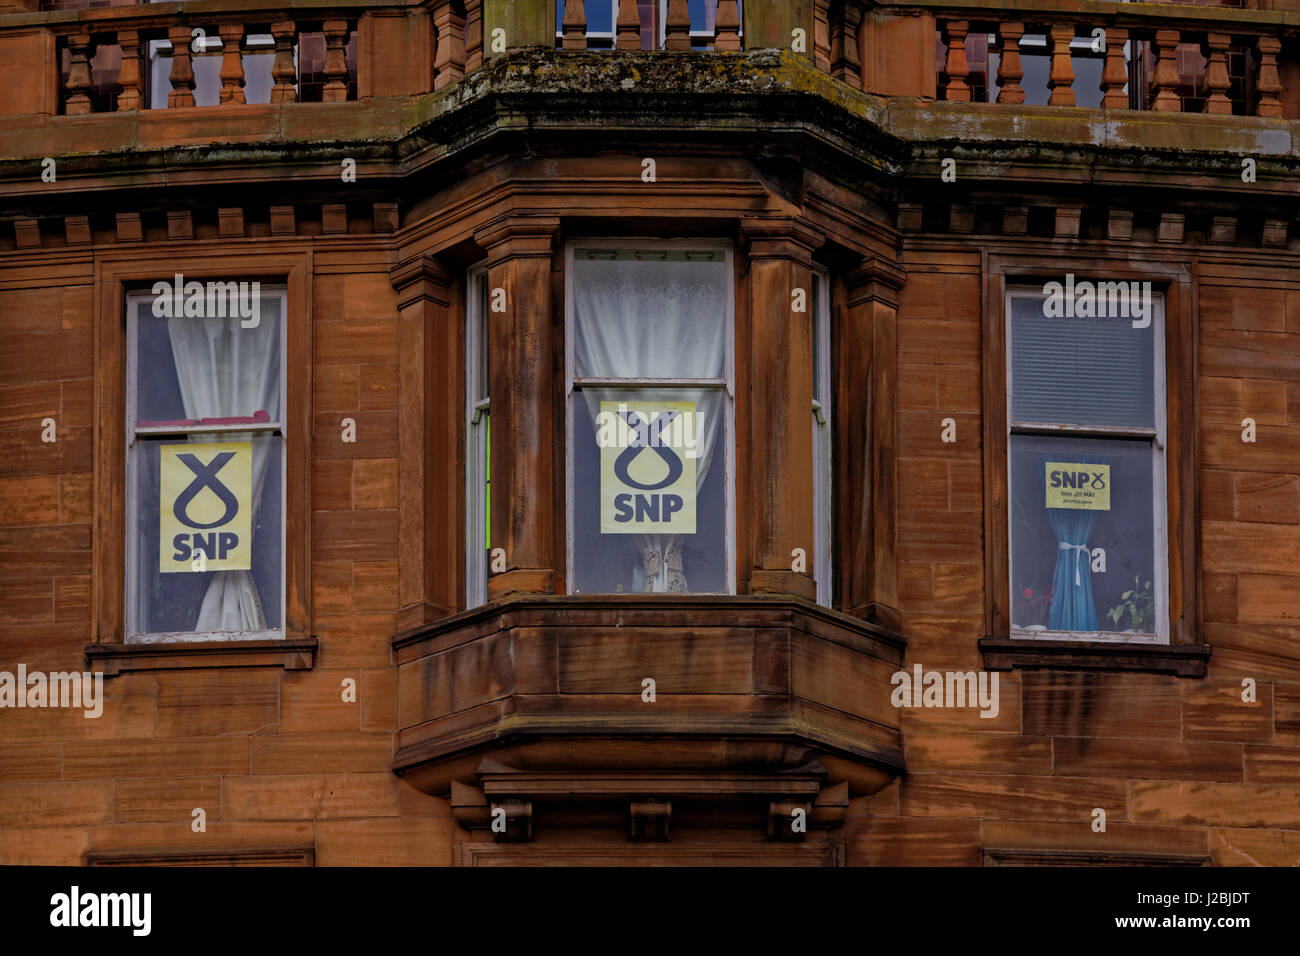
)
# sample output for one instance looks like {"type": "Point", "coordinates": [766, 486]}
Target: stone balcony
{"type": "Point", "coordinates": [772, 702]}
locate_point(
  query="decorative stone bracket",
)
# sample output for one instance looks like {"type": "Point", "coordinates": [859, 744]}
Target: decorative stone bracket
{"type": "Point", "coordinates": [496, 802]}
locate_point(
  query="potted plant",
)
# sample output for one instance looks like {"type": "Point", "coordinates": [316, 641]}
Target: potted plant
{"type": "Point", "coordinates": [1032, 604]}
{"type": "Point", "coordinates": [1140, 605]}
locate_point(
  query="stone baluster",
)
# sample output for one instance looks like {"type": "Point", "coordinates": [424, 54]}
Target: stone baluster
{"type": "Point", "coordinates": [232, 64]}
{"type": "Point", "coordinates": [575, 25]}
{"type": "Point", "coordinates": [182, 75]}
{"type": "Point", "coordinates": [336, 66]}
{"type": "Point", "coordinates": [1165, 81]}
{"type": "Point", "coordinates": [1215, 50]}
{"type": "Point", "coordinates": [835, 42]}
{"type": "Point", "coordinates": [283, 71]}
{"type": "Point", "coordinates": [728, 24]}
{"type": "Point", "coordinates": [1010, 70]}
{"type": "Point", "coordinates": [823, 15]}
{"type": "Point", "coordinates": [449, 59]}
{"type": "Point", "coordinates": [1061, 80]}
{"type": "Point", "coordinates": [1114, 74]}
{"type": "Point", "coordinates": [845, 62]}
{"type": "Point", "coordinates": [129, 77]}
{"type": "Point", "coordinates": [1268, 82]}
{"type": "Point", "coordinates": [473, 35]}
{"type": "Point", "coordinates": [954, 35]}
{"type": "Point", "coordinates": [677, 29]}
{"type": "Point", "coordinates": [79, 75]}
{"type": "Point", "coordinates": [629, 25]}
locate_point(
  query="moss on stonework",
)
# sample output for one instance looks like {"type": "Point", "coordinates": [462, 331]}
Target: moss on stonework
{"type": "Point", "coordinates": [763, 96]}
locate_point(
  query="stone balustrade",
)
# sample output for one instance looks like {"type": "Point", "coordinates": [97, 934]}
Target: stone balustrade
{"type": "Point", "coordinates": [1139, 57]}
{"type": "Point", "coordinates": [124, 66]}
{"type": "Point", "coordinates": [1060, 53]}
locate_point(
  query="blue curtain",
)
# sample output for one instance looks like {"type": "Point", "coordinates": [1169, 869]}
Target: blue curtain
{"type": "Point", "coordinates": [1072, 607]}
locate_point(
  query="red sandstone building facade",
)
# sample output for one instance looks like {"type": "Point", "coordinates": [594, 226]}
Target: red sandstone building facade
{"type": "Point", "coordinates": [979, 330]}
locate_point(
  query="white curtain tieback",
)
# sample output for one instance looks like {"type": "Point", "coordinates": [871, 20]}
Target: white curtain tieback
{"type": "Point", "coordinates": [1083, 551]}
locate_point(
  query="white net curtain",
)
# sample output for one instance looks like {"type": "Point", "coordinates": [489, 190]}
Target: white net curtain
{"type": "Point", "coordinates": [647, 318]}
{"type": "Point", "coordinates": [227, 371]}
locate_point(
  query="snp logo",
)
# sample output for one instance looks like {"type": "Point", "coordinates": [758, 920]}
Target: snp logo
{"type": "Point", "coordinates": [205, 513]}
{"type": "Point", "coordinates": [648, 453]}
{"type": "Point", "coordinates": [1079, 479]}
{"type": "Point", "coordinates": [1078, 485]}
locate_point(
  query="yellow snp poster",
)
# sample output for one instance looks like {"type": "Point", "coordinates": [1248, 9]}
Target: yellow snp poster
{"type": "Point", "coordinates": [205, 507]}
{"type": "Point", "coordinates": [1078, 485]}
{"type": "Point", "coordinates": [648, 455]}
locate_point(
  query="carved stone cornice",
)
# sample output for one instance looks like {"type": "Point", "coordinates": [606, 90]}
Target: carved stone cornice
{"type": "Point", "coordinates": [874, 280]}
{"type": "Point", "coordinates": [518, 237]}
{"type": "Point", "coordinates": [422, 278]}
{"type": "Point", "coordinates": [781, 237]}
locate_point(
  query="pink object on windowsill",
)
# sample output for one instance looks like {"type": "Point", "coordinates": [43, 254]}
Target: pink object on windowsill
{"type": "Point", "coordinates": [259, 417]}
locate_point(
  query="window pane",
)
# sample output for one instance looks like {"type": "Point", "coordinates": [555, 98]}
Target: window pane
{"type": "Point", "coordinates": [817, 337]}
{"type": "Point", "coordinates": [650, 506]}
{"type": "Point", "coordinates": [160, 68]}
{"type": "Point", "coordinates": [600, 15]}
{"type": "Point", "coordinates": [1037, 64]}
{"type": "Point", "coordinates": [703, 13]}
{"type": "Point", "coordinates": [822, 508]}
{"type": "Point", "coordinates": [207, 78]}
{"type": "Point", "coordinates": [176, 591]}
{"type": "Point", "coordinates": [821, 436]}
{"type": "Point", "coordinates": [821, 341]}
{"type": "Point", "coordinates": [478, 524]}
{"type": "Point", "coordinates": [650, 314]}
{"type": "Point", "coordinates": [191, 369]}
{"type": "Point", "coordinates": [257, 74]}
{"type": "Point", "coordinates": [1080, 371]}
{"type": "Point", "coordinates": [1070, 497]}
{"type": "Point", "coordinates": [1087, 80]}
{"type": "Point", "coordinates": [479, 466]}
{"type": "Point", "coordinates": [483, 380]}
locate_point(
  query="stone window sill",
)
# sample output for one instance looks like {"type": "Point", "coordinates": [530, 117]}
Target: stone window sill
{"type": "Point", "coordinates": [291, 654]}
{"type": "Point", "coordinates": [234, 856]}
{"type": "Point", "coordinates": [994, 857]}
{"type": "Point", "coordinates": [1002, 653]}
